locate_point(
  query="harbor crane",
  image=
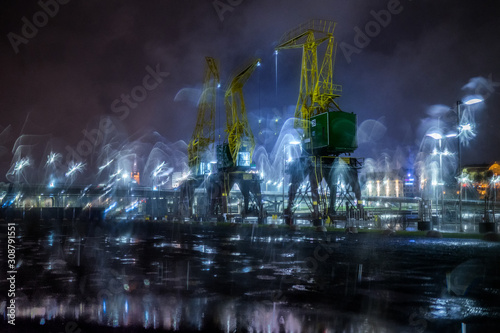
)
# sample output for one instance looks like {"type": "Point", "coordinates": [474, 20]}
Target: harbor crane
{"type": "Point", "coordinates": [204, 132]}
{"type": "Point", "coordinates": [234, 157]}
{"type": "Point", "coordinates": [326, 130]}
{"type": "Point", "coordinates": [200, 156]}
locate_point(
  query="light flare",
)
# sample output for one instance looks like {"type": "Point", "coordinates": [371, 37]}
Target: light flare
{"type": "Point", "coordinates": [74, 168]}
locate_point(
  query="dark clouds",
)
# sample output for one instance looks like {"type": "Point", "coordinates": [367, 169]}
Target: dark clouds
{"type": "Point", "coordinates": [91, 52]}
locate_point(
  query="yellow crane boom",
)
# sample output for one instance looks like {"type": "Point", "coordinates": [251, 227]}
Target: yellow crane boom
{"type": "Point", "coordinates": [204, 131]}
{"type": "Point", "coordinates": [317, 91]}
{"type": "Point", "coordinates": [240, 138]}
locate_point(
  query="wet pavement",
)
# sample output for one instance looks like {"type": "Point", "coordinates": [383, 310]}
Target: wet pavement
{"type": "Point", "coordinates": [159, 276]}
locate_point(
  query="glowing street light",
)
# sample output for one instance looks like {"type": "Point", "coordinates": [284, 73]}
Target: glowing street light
{"type": "Point", "coordinates": [463, 130]}
{"type": "Point", "coordinates": [435, 136]}
{"type": "Point", "coordinates": [23, 162]}
{"type": "Point", "coordinates": [439, 137]}
{"type": "Point", "coordinates": [73, 168]}
{"type": "Point", "coordinates": [52, 158]}
{"type": "Point", "coordinates": [471, 100]}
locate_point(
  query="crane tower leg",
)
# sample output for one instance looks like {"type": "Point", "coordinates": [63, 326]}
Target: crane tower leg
{"type": "Point", "coordinates": [313, 180]}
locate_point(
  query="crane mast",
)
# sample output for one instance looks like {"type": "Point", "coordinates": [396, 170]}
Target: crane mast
{"type": "Point", "coordinates": [233, 158]}
{"type": "Point", "coordinates": [239, 135]}
{"type": "Point", "coordinates": [317, 92]}
{"type": "Point", "coordinates": [204, 132]}
{"type": "Point", "coordinates": [327, 131]}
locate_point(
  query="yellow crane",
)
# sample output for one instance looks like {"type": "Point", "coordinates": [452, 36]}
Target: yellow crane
{"type": "Point", "coordinates": [327, 131]}
{"type": "Point", "coordinates": [204, 131]}
{"type": "Point", "coordinates": [317, 92]}
{"type": "Point", "coordinates": [234, 157]}
{"type": "Point", "coordinates": [240, 138]}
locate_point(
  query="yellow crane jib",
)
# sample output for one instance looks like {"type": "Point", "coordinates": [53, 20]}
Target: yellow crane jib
{"type": "Point", "coordinates": [240, 138]}
{"type": "Point", "coordinates": [204, 132]}
{"type": "Point", "coordinates": [317, 92]}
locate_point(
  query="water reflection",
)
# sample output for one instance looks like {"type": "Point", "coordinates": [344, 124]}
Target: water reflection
{"type": "Point", "coordinates": [196, 277]}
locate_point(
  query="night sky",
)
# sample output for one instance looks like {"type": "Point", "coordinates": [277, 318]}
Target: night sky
{"type": "Point", "coordinates": [59, 79]}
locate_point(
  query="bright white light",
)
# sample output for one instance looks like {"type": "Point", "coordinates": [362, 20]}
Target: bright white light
{"type": "Point", "coordinates": [124, 175]}
{"type": "Point", "coordinates": [74, 167]}
{"type": "Point", "coordinates": [21, 164]}
{"type": "Point", "coordinates": [435, 136]}
{"type": "Point", "coordinates": [452, 135]}
{"type": "Point", "coordinates": [466, 127]}
{"type": "Point", "coordinates": [258, 63]}
{"type": "Point", "coordinates": [473, 100]}
{"type": "Point", "coordinates": [116, 173]}
{"type": "Point", "coordinates": [52, 158]}
{"type": "Point", "coordinates": [105, 165]}
{"type": "Point", "coordinates": [158, 169]}
{"type": "Point", "coordinates": [295, 142]}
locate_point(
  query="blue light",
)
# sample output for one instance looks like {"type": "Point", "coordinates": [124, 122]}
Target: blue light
{"type": "Point", "coordinates": [132, 207]}
{"type": "Point", "coordinates": [113, 205]}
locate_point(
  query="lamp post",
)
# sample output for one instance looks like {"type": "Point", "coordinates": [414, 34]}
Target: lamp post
{"type": "Point", "coordinates": [440, 152]}
{"type": "Point", "coordinates": [461, 128]}
{"type": "Point", "coordinates": [494, 181]}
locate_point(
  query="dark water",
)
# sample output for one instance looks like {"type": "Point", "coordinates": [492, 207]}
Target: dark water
{"type": "Point", "coordinates": [151, 276]}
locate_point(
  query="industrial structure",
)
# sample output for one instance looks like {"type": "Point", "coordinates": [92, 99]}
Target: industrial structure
{"type": "Point", "coordinates": [328, 137]}
{"type": "Point", "coordinates": [327, 131]}
{"type": "Point", "coordinates": [223, 183]}
{"type": "Point", "coordinates": [234, 156]}
{"type": "Point", "coordinates": [203, 139]}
